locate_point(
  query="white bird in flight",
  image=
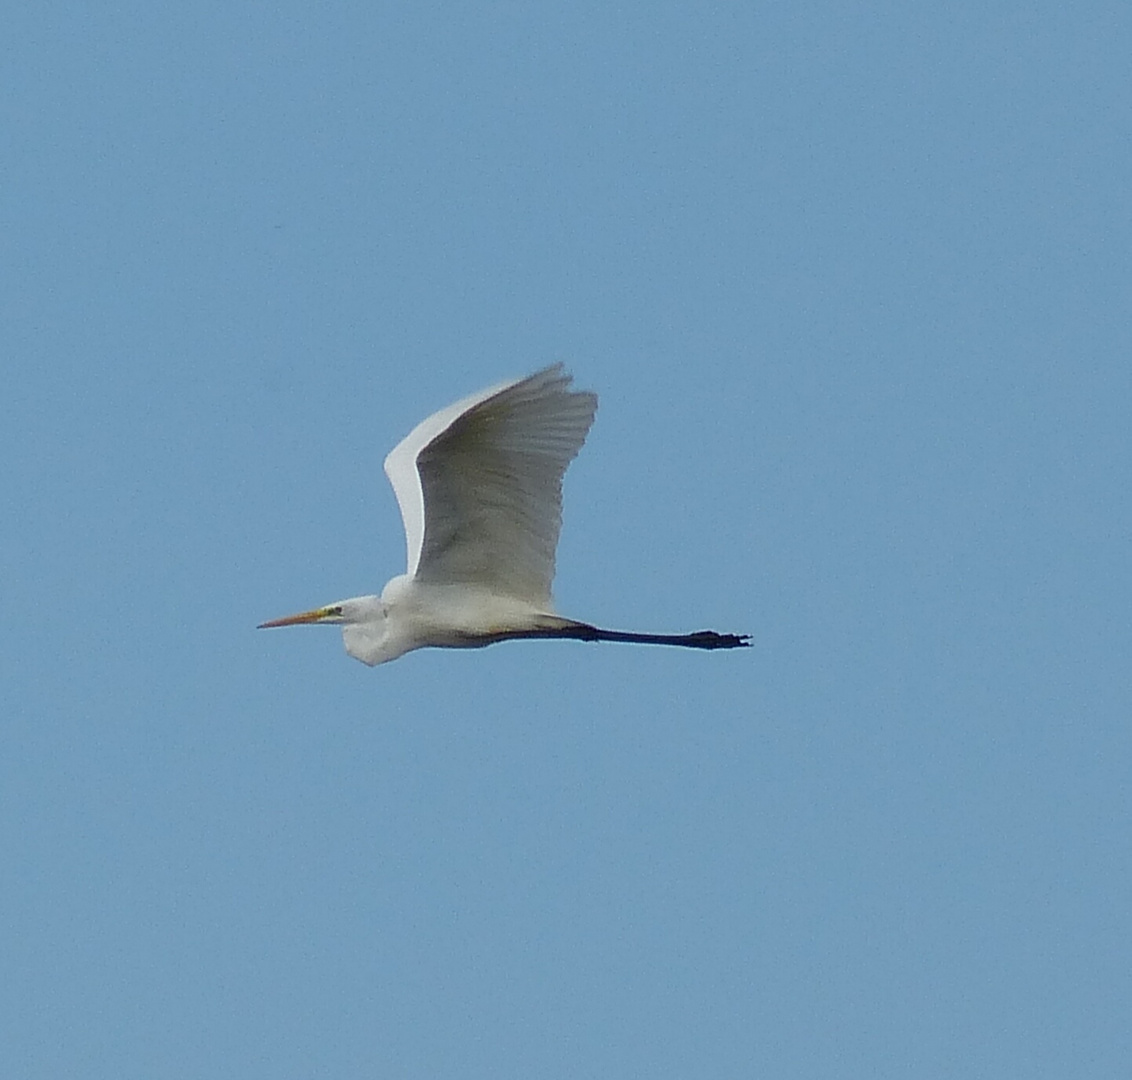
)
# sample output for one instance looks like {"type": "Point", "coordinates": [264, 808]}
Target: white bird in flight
{"type": "Point", "coordinates": [480, 489]}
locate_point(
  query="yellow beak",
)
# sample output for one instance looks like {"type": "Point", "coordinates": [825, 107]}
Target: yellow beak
{"type": "Point", "coordinates": [303, 617]}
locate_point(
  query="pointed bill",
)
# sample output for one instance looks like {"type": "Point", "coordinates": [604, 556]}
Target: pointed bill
{"type": "Point", "coordinates": [318, 615]}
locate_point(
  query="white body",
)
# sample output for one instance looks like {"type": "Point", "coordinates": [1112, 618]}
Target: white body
{"type": "Point", "coordinates": [412, 614]}
{"type": "Point", "coordinates": [479, 485]}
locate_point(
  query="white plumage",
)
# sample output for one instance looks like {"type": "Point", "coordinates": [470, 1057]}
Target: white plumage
{"type": "Point", "coordinates": [479, 485]}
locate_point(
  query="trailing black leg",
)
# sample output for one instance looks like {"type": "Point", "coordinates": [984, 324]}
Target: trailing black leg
{"type": "Point", "coordinates": [579, 631]}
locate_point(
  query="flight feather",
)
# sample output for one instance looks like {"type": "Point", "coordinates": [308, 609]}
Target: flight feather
{"type": "Point", "coordinates": [479, 484]}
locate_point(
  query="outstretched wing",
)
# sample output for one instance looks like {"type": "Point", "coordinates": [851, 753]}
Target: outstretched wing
{"type": "Point", "coordinates": [480, 484]}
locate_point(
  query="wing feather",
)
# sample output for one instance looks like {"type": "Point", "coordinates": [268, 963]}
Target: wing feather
{"type": "Point", "coordinates": [480, 484]}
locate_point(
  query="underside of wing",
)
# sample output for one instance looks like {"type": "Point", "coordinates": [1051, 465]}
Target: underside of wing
{"type": "Point", "coordinates": [480, 484]}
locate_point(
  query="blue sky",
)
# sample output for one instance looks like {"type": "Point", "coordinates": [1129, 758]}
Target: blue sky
{"type": "Point", "coordinates": [853, 284]}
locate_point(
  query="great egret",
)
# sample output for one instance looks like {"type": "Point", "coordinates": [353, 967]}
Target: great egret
{"type": "Point", "coordinates": [480, 489]}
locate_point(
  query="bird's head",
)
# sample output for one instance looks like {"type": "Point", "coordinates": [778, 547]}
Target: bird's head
{"type": "Point", "coordinates": [356, 611]}
{"type": "Point", "coordinates": [362, 619]}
